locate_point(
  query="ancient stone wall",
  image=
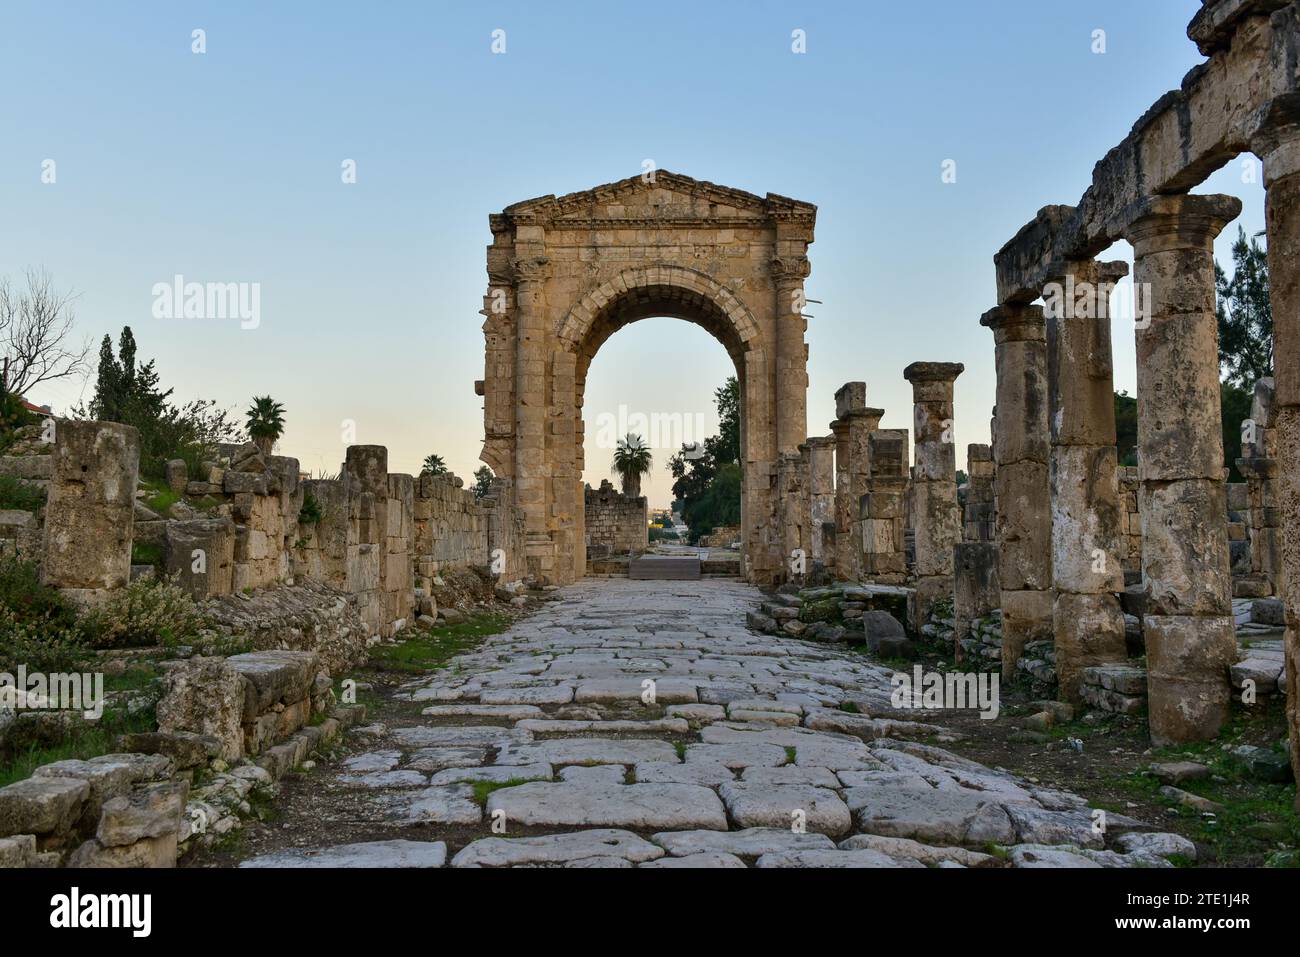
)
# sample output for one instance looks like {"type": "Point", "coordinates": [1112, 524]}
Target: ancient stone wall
{"type": "Point", "coordinates": [615, 523]}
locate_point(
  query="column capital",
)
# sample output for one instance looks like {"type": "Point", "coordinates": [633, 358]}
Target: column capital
{"type": "Point", "coordinates": [1086, 270]}
{"type": "Point", "coordinates": [530, 268]}
{"type": "Point", "coordinates": [1278, 141]}
{"type": "Point", "coordinates": [1177, 222]}
{"type": "Point", "coordinates": [791, 269]}
{"type": "Point", "coordinates": [933, 371]}
{"type": "Point", "coordinates": [1016, 322]}
{"type": "Point", "coordinates": [822, 442]}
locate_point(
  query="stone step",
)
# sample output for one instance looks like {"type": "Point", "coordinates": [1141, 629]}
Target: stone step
{"type": "Point", "coordinates": [664, 569]}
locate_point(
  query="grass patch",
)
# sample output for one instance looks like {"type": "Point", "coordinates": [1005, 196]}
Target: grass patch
{"type": "Point", "coordinates": [16, 494]}
{"type": "Point", "coordinates": [146, 553]}
{"type": "Point", "coordinates": [790, 754]}
{"type": "Point", "coordinates": [850, 707]}
{"type": "Point", "coordinates": [1258, 825]}
{"type": "Point", "coordinates": [431, 649]}
{"type": "Point", "coordinates": [482, 789]}
{"type": "Point", "coordinates": [80, 739]}
{"type": "Point", "coordinates": [159, 497]}
{"type": "Point", "coordinates": [680, 748]}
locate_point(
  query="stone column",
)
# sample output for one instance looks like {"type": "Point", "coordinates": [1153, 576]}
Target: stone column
{"type": "Point", "coordinates": [1021, 487]}
{"type": "Point", "coordinates": [977, 507]}
{"type": "Point", "coordinates": [821, 501]}
{"type": "Point", "coordinates": [89, 513]}
{"type": "Point", "coordinates": [1259, 465]}
{"type": "Point", "coordinates": [934, 483]}
{"type": "Point", "coordinates": [1087, 563]}
{"type": "Point", "coordinates": [884, 509]}
{"type": "Point", "coordinates": [792, 502]}
{"type": "Point", "coordinates": [365, 478]}
{"type": "Point", "coordinates": [788, 274]}
{"type": "Point", "coordinates": [1281, 154]}
{"type": "Point", "coordinates": [531, 466]}
{"type": "Point", "coordinates": [1188, 623]}
{"type": "Point", "coordinates": [848, 398]}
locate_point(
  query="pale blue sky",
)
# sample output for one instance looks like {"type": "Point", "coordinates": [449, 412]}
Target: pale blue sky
{"type": "Point", "coordinates": [226, 167]}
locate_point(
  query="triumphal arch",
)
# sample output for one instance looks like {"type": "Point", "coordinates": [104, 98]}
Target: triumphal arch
{"type": "Point", "coordinates": [565, 273]}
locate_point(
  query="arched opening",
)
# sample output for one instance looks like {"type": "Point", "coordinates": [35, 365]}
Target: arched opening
{"type": "Point", "coordinates": [689, 296]}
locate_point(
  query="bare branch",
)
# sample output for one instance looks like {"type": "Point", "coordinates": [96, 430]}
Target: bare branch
{"type": "Point", "coordinates": [36, 327]}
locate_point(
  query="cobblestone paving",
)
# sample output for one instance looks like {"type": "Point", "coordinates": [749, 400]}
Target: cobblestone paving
{"type": "Point", "coordinates": [641, 724]}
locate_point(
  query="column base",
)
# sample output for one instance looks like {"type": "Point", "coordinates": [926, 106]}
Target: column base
{"type": "Point", "coordinates": [925, 593]}
{"type": "Point", "coordinates": [1188, 691]}
{"type": "Point", "coordinates": [1026, 617]}
{"type": "Point", "coordinates": [1089, 630]}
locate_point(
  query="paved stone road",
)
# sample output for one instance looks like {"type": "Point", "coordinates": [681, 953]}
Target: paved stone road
{"type": "Point", "coordinates": [755, 751]}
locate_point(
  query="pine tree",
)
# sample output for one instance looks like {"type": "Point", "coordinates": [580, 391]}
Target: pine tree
{"type": "Point", "coordinates": [1245, 315]}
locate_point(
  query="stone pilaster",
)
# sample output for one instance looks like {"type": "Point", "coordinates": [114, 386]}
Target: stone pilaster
{"type": "Point", "coordinates": [1188, 623]}
{"type": "Point", "coordinates": [788, 275]}
{"type": "Point", "coordinates": [1087, 523]}
{"type": "Point", "coordinates": [1281, 155]}
{"type": "Point", "coordinates": [850, 397]}
{"type": "Point", "coordinates": [89, 513]}
{"type": "Point", "coordinates": [531, 465]}
{"type": "Point", "coordinates": [821, 502]}
{"type": "Point", "coordinates": [1021, 486]}
{"type": "Point", "coordinates": [934, 483]}
{"type": "Point", "coordinates": [977, 505]}
{"type": "Point", "coordinates": [884, 509]}
{"type": "Point", "coordinates": [792, 504]}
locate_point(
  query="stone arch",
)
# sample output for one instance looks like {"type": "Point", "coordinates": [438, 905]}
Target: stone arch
{"type": "Point", "coordinates": [566, 273]}
{"type": "Point", "coordinates": [661, 290]}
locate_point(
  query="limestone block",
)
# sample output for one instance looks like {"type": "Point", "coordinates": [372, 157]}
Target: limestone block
{"type": "Point", "coordinates": [1185, 549]}
{"type": "Point", "coordinates": [1089, 631]}
{"type": "Point", "coordinates": [1024, 529]}
{"type": "Point", "coordinates": [89, 515]}
{"type": "Point", "coordinates": [1086, 521]}
{"type": "Point", "coordinates": [1188, 659]}
{"type": "Point", "coordinates": [200, 555]}
{"type": "Point", "coordinates": [205, 696]}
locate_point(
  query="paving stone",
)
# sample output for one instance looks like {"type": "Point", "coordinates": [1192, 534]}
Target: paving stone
{"type": "Point", "coordinates": [656, 726]}
{"type": "Point", "coordinates": [698, 713]}
{"type": "Point", "coordinates": [386, 779]}
{"type": "Point", "coordinates": [459, 735]}
{"type": "Point", "coordinates": [738, 755]}
{"type": "Point", "coordinates": [706, 860]}
{"type": "Point", "coordinates": [494, 772]}
{"type": "Point", "coordinates": [788, 805]}
{"type": "Point", "coordinates": [834, 859]}
{"type": "Point", "coordinates": [750, 842]}
{"type": "Point", "coordinates": [369, 854]}
{"type": "Point", "coordinates": [447, 804]}
{"type": "Point", "coordinates": [436, 759]}
{"type": "Point", "coordinates": [1039, 826]}
{"type": "Point", "coordinates": [556, 849]}
{"type": "Point", "coordinates": [599, 774]}
{"type": "Point", "coordinates": [929, 855]}
{"type": "Point", "coordinates": [1161, 844]}
{"type": "Point", "coordinates": [506, 712]}
{"type": "Point", "coordinates": [588, 751]}
{"type": "Point", "coordinates": [928, 814]}
{"type": "Point", "coordinates": [707, 773]}
{"type": "Point", "coordinates": [791, 774]}
{"type": "Point", "coordinates": [373, 761]}
{"type": "Point", "coordinates": [550, 694]}
{"type": "Point", "coordinates": [666, 690]}
{"type": "Point", "coordinates": [641, 806]}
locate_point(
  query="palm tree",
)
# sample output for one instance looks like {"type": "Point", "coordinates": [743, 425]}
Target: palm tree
{"type": "Point", "coordinates": [631, 460]}
{"type": "Point", "coordinates": [434, 465]}
{"type": "Point", "coordinates": [265, 422]}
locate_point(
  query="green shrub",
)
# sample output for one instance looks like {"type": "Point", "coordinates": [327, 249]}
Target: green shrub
{"type": "Point", "coordinates": [310, 513]}
{"type": "Point", "coordinates": [43, 643]}
{"type": "Point", "coordinates": [148, 611]}
{"type": "Point", "coordinates": [22, 592]}
{"type": "Point", "coordinates": [18, 494]}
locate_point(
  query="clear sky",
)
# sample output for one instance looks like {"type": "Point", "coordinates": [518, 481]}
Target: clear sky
{"type": "Point", "coordinates": [226, 167]}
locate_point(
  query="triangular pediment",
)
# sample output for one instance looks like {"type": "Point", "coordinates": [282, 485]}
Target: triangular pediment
{"type": "Point", "coordinates": [669, 195]}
